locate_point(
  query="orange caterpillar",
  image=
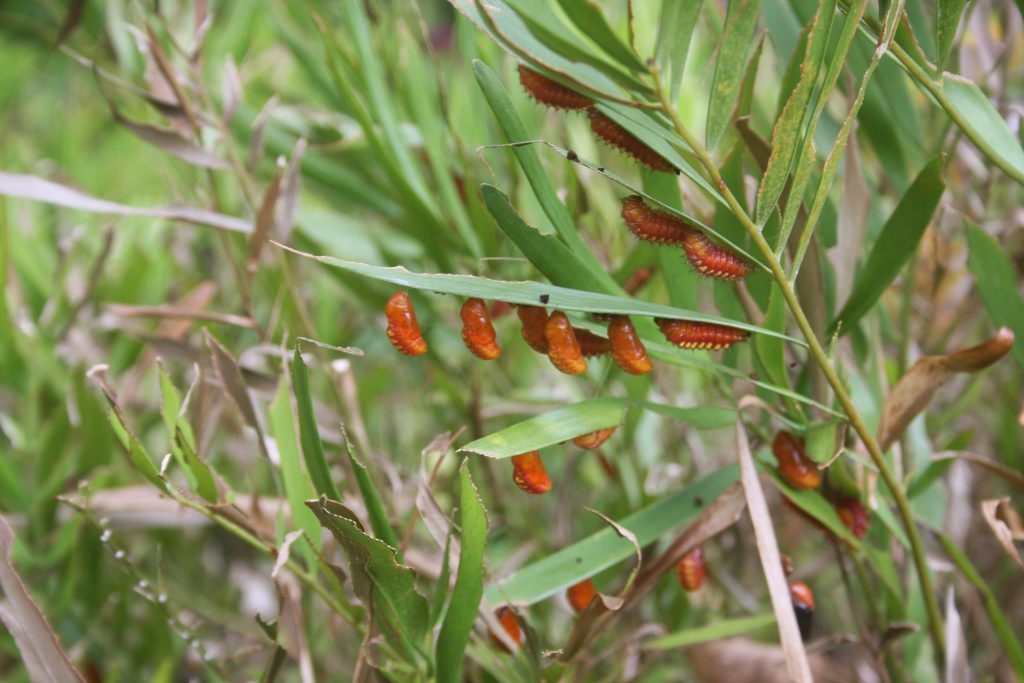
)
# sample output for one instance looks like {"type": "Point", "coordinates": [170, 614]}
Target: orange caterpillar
{"type": "Point", "coordinates": [652, 225]}
{"type": "Point", "coordinates": [592, 440]}
{"type": "Point", "coordinates": [534, 319]}
{"type": "Point", "coordinates": [617, 136]}
{"type": "Point", "coordinates": [795, 467]}
{"type": "Point", "coordinates": [508, 620]}
{"type": "Point", "coordinates": [694, 335]}
{"type": "Point", "coordinates": [403, 328]}
{"type": "Point", "coordinates": [690, 569]}
{"type": "Point", "coordinates": [551, 93]}
{"type": "Point", "coordinates": [590, 343]}
{"type": "Point", "coordinates": [854, 516]}
{"type": "Point", "coordinates": [711, 260]}
{"type": "Point", "coordinates": [529, 474]}
{"type": "Point", "coordinates": [628, 351]}
{"type": "Point", "coordinates": [477, 330]}
{"type": "Point", "coordinates": [803, 604]}
{"type": "Point", "coordinates": [580, 594]}
{"type": "Point", "coordinates": [563, 349]}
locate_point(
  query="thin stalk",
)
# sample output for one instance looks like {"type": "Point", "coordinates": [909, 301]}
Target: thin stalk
{"type": "Point", "coordinates": [821, 358]}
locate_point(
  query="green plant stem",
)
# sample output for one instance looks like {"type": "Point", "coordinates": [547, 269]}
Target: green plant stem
{"type": "Point", "coordinates": [821, 358]}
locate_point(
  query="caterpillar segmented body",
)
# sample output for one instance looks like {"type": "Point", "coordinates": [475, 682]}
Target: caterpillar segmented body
{"type": "Point", "coordinates": [403, 328]}
{"type": "Point", "coordinates": [592, 440]}
{"type": "Point", "coordinates": [534, 319]}
{"type": "Point", "coordinates": [615, 135]}
{"type": "Point", "coordinates": [563, 348]}
{"type": "Point", "coordinates": [795, 467]}
{"type": "Point", "coordinates": [688, 334]}
{"type": "Point", "coordinates": [477, 331]}
{"type": "Point", "coordinates": [653, 225]}
{"type": "Point", "coordinates": [803, 605]}
{"type": "Point", "coordinates": [690, 569]}
{"type": "Point", "coordinates": [580, 594]}
{"type": "Point", "coordinates": [628, 351]}
{"type": "Point", "coordinates": [549, 92]}
{"type": "Point", "coordinates": [529, 473]}
{"type": "Point", "coordinates": [711, 260]}
{"type": "Point", "coordinates": [590, 343]}
{"type": "Point", "coordinates": [510, 623]}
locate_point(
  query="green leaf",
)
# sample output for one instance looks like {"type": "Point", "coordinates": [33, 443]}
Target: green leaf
{"type": "Point", "coordinates": [205, 482]}
{"type": "Point", "coordinates": [995, 274]}
{"type": "Point", "coordinates": [725, 628]}
{"type": "Point", "coordinates": [587, 16]}
{"type": "Point", "coordinates": [947, 19]}
{"type": "Point", "coordinates": [437, 602]}
{"type": "Point", "coordinates": [379, 521]}
{"type": "Point", "coordinates": [530, 293]}
{"type": "Point", "coordinates": [297, 486]}
{"type": "Point", "coordinates": [675, 30]}
{"type": "Point", "coordinates": [469, 582]}
{"type": "Point", "coordinates": [975, 114]}
{"type": "Point", "coordinates": [136, 451]}
{"type": "Point", "coordinates": [811, 502]}
{"type": "Point", "coordinates": [570, 421]}
{"type": "Point", "coordinates": [737, 41]}
{"type": "Point", "coordinates": [559, 570]}
{"type": "Point", "coordinates": [821, 440]}
{"type": "Point", "coordinates": [770, 349]}
{"type": "Point", "coordinates": [309, 433]}
{"type": "Point", "coordinates": [387, 588]}
{"type": "Point", "coordinates": [895, 245]}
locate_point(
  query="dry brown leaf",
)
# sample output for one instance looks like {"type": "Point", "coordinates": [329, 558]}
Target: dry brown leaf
{"type": "Point", "coordinates": [171, 142]}
{"type": "Point", "coordinates": [261, 231]}
{"type": "Point", "coordinates": [957, 669]}
{"type": "Point", "coordinates": [771, 563]}
{"type": "Point", "coordinates": [915, 389]}
{"type": "Point", "coordinates": [740, 660]}
{"type": "Point", "coordinates": [1006, 524]}
{"type": "Point", "coordinates": [235, 387]}
{"type": "Point", "coordinates": [45, 660]}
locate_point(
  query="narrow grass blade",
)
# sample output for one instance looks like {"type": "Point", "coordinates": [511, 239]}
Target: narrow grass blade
{"type": "Point", "coordinates": [993, 270]}
{"type": "Point", "coordinates": [309, 433]}
{"type": "Point", "coordinates": [737, 40]}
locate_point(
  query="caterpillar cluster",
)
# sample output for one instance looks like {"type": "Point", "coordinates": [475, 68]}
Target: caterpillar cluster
{"type": "Point", "coordinates": [661, 227]}
{"type": "Point", "coordinates": [687, 334]}
{"type": "Point", "coordinates": [795, 468]}
{"type": "Point", "coordinates": [529, 473]}
{"type": "Point", "coordinates": [546, 91]}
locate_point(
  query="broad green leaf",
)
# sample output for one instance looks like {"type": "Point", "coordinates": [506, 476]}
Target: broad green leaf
{"type": "Point", "coordinates": [385, 587]}
{"type": "Point", "coordinates": [786, 133]}
{"type": "Point", "coordinates": [895, 245]}
{"type": "Point", "coordinates": [136, 451]}
{"type": "Point", "coordinates": [379, 521]}
{"type": "Point", "coordinates": [821, 440]}
{"type": "Point", "coordinates": [995, 274]}
{"type": "Point", "coordinates": [309, 433]}
{"type": "Point", "coordinates": [737, 41]}
{"type": "Point", "coordinates": [974, 113]}
{"type": "Point", "coordinates": [530, 293]}
{"type": "Point", "coordinates": [725, 628]}
{"type": "Point", "coordinates": [469, 582]}
{"type": "Point", "coordinates": [297, 485]}
{"type": "Point", "coordinates": [675, 30]}
{"type": "Point", "coordinates": [947, 19]}
{"type": "Point", "coordinates": [170, 406]}
{"type": "Point", "coordinates": [770, 349]}
{"type": "Point", "coordinates": [437, 602]}
{"type": "Point", "coordinates": [587, 16]}
{"type": "Point", "coordinates": [205, 482]}
{"type": "Point", "coordinates": [570, 421]}
{"type": "Point", "coordinates": [600, 550]}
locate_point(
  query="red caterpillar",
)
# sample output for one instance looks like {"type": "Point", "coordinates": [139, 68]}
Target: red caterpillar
{"type": "Point", "coordinates": [628, 351]}
{"type": "Point", "coordinates": [694, 335]}
{"type": "Point", "coordinates": [510, 623]}
{"type": "Point", "coordinates": [592, 440]}
{"type": "Point", "coordinates": [477, 330]}
{"type": "Point", "coordinates": [563, 349]}
{"type": "Point", "coordinates": [803, 605]}
{"type": "Point", "coordinates": [639, 278]}
{"type": "Point", "coordinates": [529, 474]}
{"type": "Point", "coordinates": [551, 93]}
{"type": "Point", "coordinates": [534, 319]}
{"type": "Point", "coordinates": [617, 136]}
{"type": "Point", "coordinates": [711, 260]}
{"type": "Point", "coordinates": [652, 225]}
{"type": "Point", "coordinates": [690, 569]}
{"type": "Point", "coordinates": [795, 467]}
{"type": "Point", "coordinates": [854, 516]}
{"type": "Point", "coordinates": [403, 328]}
{"type": "Point", "coordinates": [580, 594]}
{"type": "Point", "coordinates": [590, 343]}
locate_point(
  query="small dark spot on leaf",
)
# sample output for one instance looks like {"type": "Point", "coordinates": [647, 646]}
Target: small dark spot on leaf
{"type": "Point", "coordinates": [753, 376]}
{"type": "Point", "coordinates": [698, 501]}
{"type": "Point", "coordinates": [579, 560]}
{"type": "Point", "coordinates": [572, 156]}
{"type": "Point", "coordinates": [544, 298]}
{"type": "Point", "coordinates": [792, 365]}
{"type": "Point", "coordinates": [601, 169]}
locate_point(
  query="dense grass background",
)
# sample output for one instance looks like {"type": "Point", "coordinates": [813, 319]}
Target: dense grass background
{"type": "Point", "coordinates": [372, 131]}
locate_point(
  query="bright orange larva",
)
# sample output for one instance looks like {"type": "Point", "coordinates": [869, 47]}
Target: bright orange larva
{"type": "Point", "coordinates": [529, 474]}
{"type": "Point", "coordinates": [795, 467]}
{"type": "Point", "coordinates": [690, 569]}
{"type": "Point", "coordinates": [580, 594]}
{"type": "Point", "coordinates": [653, 225]}
{"type": "Point", "coordinates": [563, 349]}
{"type": "Point", "coordinates": [403, 328]}
{"type": "Point", "coordinates": [590, 343]}
{"type": "Point", "coordinates": [551, 93]}
{"type": "Point", "coordinates": [628, 351]}
{"type": "Point", "coordinates": [711, 260]}
{"type": "Point", "coordinates": [694, 335]}
{"type": "Point", "coordinates": [510, 622]}
{"type": "Point", "coordinates": [592, 440]}
{"type": "Point", "coordinates": [534, 318]}
{"type": "Point", "coordinates": [617, 136]}
{"type": "Point", "coordinates": [803, 604]}
{"type": "Point", "coordinates": [477, 330]}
